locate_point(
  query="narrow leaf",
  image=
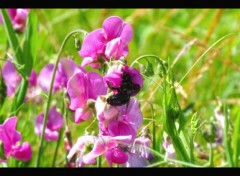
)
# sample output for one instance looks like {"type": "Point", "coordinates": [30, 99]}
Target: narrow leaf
{"type": "Point", "coordinates": [12, 38]}
{"type": "Point", "coordinates": [29, 46]}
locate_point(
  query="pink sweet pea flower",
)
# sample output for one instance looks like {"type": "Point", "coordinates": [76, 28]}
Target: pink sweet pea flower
{"type": "Point", "coordinates": [125, 119]}
{"type": "Point", "coordinates": [33, 92]}
{"type": "Point", "coordinates": [10, 138]}
{"type": "Point", "coordinates": [120, 77]}
{"type": "Point", "coordinates": [106, 145]}
{"type": "Point", "coordinates": [11, 77]}
{"type": "Point", "coordinates": [82, 88]}
{"type": "Point", "coordinates": [18, 17]}
{"type": "Point", "coordinates": [134, 160]}
{"type": "Point", "coordinates": [66, 68]}
{"type": "Point", "coordinates": [169, 148]}
{"type": "Point", "coordinates": [110, 41]}
{"type": "Point", "coordinates": [54, 124]}
{"type": "Point", "coordinates": [141, 146]}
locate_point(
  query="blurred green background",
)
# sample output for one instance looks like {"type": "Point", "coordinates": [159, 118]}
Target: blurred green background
{"type": "Point", "coordinates": [179, 36]}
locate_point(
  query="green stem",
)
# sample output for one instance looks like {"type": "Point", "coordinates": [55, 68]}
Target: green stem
{"type": "Point", "coordinates": [191, 150]}
{"type": "Point", "coordinates": [226, 138]}
{"type": "Point", "coordinates": [19, 97]}
{"type": "Point", "coordinates": [99, 161]}
{"type": "Point", "coordinates": [211, 156]}
{"type": "Point", "coordinates": [160, 61]}
{"type": "Point", "coordinates": [50, 94]}
{"type": "Point", "coordinates": [179, 148]}
{"type": "Point", "coordinates": [56, 149]}
{"type": "Point", "coordinates": [60, 133]}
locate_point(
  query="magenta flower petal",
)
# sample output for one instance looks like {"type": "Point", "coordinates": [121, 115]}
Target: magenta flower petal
{"type": "Point", "coordinates": [115, 155]}
{"type": "Point", "coordinates": [127, 33]}
{"type": "Point", "coordinates": [18, 18]}
{"type": "Point", "coordinates": [96, 85]}
{"type": "Point", "coordinates": [11, 77]}
{"type": "Point", "coordinates": [114, 48]}
{"type": "Point", "coordinates": [45, 77]}
{"type": "Point", "coordinates": [113, 27]}
{"type": "Point", "coordinates": [80, 144]}
{"type": "Point", "coordinates": [98, 149]}
{"type": "Point", "coordinates": [82, 87]}
{"type": "Point", "coordinates": [77, 90]}
{"type": "Point", "coordinates": [104, 110]}
{"type": "Point", "coordinates": [54, 124]}
{"type": "Point", "coordinates": [132, 114]}
{"type": "Point", "coordinates": [113, 76]}
{"type": "Point", "coordinates": [103, 144]}
{"type": "Point", "coordinates": [110, 41]}
{"type": "Point", "coordinates": [82, 114]}
{"type": "Point", "coordinates": [10, 138]}
{"type": "Point", "coordinates": [92, 45]}
{"type": "Point", "coordinates": [51, 135]}
{"type": "Point", "coordinates": [55, 120]}
{"type": "Point", "coordinates": [9, 135]}
{"type": "Point", "coordinates": [121, 128]}
{"type": "Point", "coordinates": [33, 79]}
{"type": "Point", "coordinates": [22, 152]}
{"type": "Point", "coordinates": [67, 68]}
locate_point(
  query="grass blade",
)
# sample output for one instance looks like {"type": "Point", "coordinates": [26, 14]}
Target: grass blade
{"type": "Point", "coordinates": [12, 38]}
{"type": "Point", "coordinates": [236, 141]}
{"type": "Point", "coordinates": [30, 42]}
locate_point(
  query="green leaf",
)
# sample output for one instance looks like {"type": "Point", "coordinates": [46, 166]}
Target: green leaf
{"type": "Point", "coordinates": [12, 38]}
{"type": "Point", "coordinates": [149, 69]}
{"type": "Point", "coordinates": [30, 42]}
{"type": "Point", "coordinates": [236, 141]}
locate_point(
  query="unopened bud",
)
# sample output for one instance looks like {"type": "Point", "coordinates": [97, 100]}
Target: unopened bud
{"type": "Point", "coordinates": [77, 43]}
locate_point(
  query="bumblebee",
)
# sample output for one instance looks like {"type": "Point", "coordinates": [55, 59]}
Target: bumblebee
{"type": "Point", "coordinates": [124, 92]}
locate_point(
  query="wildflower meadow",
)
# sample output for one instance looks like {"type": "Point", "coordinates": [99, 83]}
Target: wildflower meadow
{"type": "Point", "coordinates": [119, 88]}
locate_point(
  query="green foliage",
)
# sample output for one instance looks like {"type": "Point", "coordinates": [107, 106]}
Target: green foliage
{"type": "Point", "coordinates": [207, 71]}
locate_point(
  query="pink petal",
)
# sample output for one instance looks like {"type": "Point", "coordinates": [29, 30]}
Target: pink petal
{"type": "Point", "coordinates": [135, 161]}
{"type": "Point", "coordinates": [93, 45]}
{"type": "Point", "coordinates": [112, 27]}
{"type": "Point", "coordinates": [120, 128]}
{"type": "Point", "coordinates": [11, 77]}
{"type": "Point", "coordinates": [55, 120]}
{"type": "Point", "coordinates": [114, 48]}
{"type": "Point", "coordinates": [96, 85]}
{"type": "Point", "coordinates": [127, 33]}
{"type": "Point", "coordinates": [45, 77]}
{"type": "Point", "coordinates": [38, 124]}
{"type": "Point", "coordinates": [22, 152]}
{"type": "Point", "coordinates": [86, 61]}
{"type": "Point", "coordinates": [9, 135]}
{"type": "Point", "coordinates": [104, 109]}
{"type": "Point", "coordinates": [67, 68]}
{"type": "Point", "coordinates": [51, 135]}
{"type": "Point", "coordinates": [82, 114]}
{"type": "Point", "coordinates": [80, 144]}
{"type": "Point", "coordinates": [132, 114]}
{"type": "Point", "coordinates": [33, 79]}
{"type": "Point", "coordinates": [77, 88]}
{"type": "Point", "coordinates": [116, 155]}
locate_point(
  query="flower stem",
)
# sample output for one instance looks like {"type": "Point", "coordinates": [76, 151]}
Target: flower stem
{"type": "Point", "coordinates": [50, 94]}
{"type": "Point", "coordinates": [99, 161]}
